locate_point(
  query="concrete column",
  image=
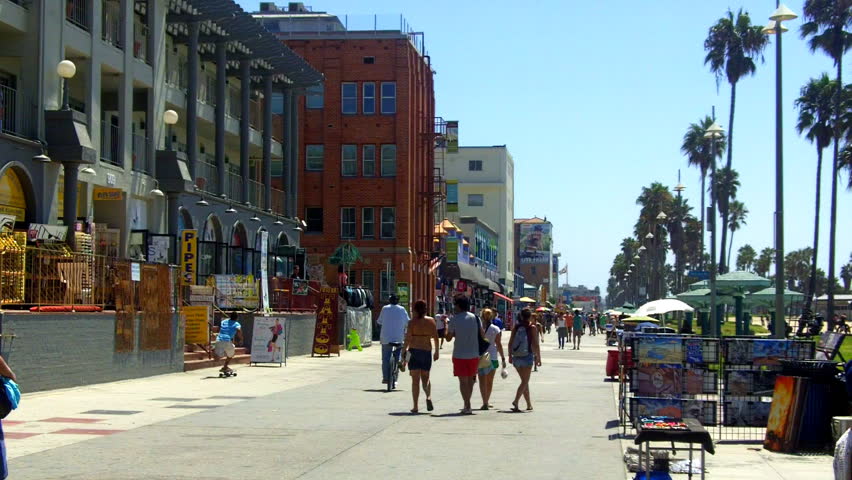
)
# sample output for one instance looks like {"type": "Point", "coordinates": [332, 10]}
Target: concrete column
{"type": "Point", "coordinates": [221, 95]}
{"type": "Point", "coordinates": [69, 215]}
{"type": "Point", "coordinates": [267, 141]}
{"type": "Point", "coordinates": [738, 315]}
{"type": "Point", "coordinates": [125, 91]}
{"type": "Point", "coordinates": [153, 122]}
{"type": "Point", "coordinates": [293, 147]}
{"type": "Point", "coordinates": [192, 100]}
{"type": "Point", "coordinates": [172, 209]}
{"type": "Point", "coordinates": [245, 98]}
{"type": "Point", "coordinates": [286, 172]}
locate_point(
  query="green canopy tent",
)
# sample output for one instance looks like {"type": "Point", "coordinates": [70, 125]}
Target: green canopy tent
{"type": "Point", "coordinates": [738, 285]}
{"type": "Point", "coordinates": [700, 300]}
{"type": "Point", "coordinates": [766, 298]}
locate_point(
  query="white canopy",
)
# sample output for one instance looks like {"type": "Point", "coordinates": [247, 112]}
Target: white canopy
{"type": "Point", "coordinates": [663, 306]}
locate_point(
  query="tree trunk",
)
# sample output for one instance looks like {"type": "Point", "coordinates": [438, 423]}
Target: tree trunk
{"type": "Point", "coordinates": [703, 230]}
{"type": "Point", "coordinates": [727, 203]}
{"type": "Point", "coordinates": [731, 248]}
{"type": "Point", "coordinates": [832, 233]}
{"type": "Point", "coordinates": [812, 281]}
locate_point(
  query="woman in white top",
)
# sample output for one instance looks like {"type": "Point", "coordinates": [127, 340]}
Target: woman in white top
{"type": "Point", "coordinates": [486, 375]}
{"type": "Point", "coordinates": [441, 324]}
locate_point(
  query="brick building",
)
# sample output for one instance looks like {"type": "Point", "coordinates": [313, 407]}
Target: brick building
{"type": "Point", "coordinates": [366, 156]}
{"type": "Point", "coordinates": [534, 252]}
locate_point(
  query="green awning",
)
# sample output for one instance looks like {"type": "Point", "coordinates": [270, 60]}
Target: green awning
{"type": "Point", "coordinates": [345, 254]}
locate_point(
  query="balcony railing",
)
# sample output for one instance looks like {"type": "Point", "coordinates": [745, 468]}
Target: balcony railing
{"type": "Point", "coordinates": [111, 18]}
{"type": "Point", "coordinates": [235, 186]}
{"type": "Point", "coordinates": [17, 115]}
{"type": "Point", "coordinates": [206, 175]}
{"type": "Point", "coordinates": [255, 196]}
{"type": "Point", "coordinates": [77, 12]}
{"type": "Point", "coordinates": [140, 153]}
{"type": "Point", "coordinates": [110, 142]}
{"type": "Point", "coordinates": [277, 201]}
{"type": "Point", "coordinates": [278, 128]}
{"type": "Point", "coordinates": [176, 71]}
{"type": "Point", "coordinates": [255, 115]}
{"type": "Point", "coordinates": [207, 89]}
{"type": "Point", "coordinates": [234, 102]}
{"type": "Point", "coordinates": [140, 41]}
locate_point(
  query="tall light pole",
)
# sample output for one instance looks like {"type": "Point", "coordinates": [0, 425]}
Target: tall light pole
{"type": "Point", "coordinates": [66, 70]}
{"type": "Point", "coordinates": [650, 259]}
{"type": "Point", "coordinates": [713, 132]}
{"type": "Point", "coordinates": [661, 282]}
{"type": "Point", "coordinates": [781, 14]}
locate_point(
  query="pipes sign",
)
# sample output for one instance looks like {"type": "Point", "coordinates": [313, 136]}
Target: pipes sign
{"type": "Point", "coordinates": [188, 256]}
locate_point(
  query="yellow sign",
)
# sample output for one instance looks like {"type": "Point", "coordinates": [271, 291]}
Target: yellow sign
{"type": "Point", "coordinates": [188, 256]}
{"type": "Point", "coordinates": [107, 194]}
{"type": "Point", "coordinates": [12, 199]}
{"type": "Point", "coordinates": [197, 324]}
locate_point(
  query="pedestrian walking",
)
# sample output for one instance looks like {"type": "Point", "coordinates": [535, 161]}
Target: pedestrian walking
{"type": "Point", "coordinates": [524, 353]}
{"type": "Point", "coordinates": [569, 323]}
{"type": "Point", "coordinates": [6, 372]}
{"type": "Point", "coordinates": [441, 325]}
{"type": "Point", "coordinates": [465, 329]}
{"type": "Point", "coordinates": [393, 319]}
{"type": "Point", "coordinates": [561, 331]}
{"type": "Point", "coordinates": [419, 336]}
{"type": "Point", "coordinates": [486, 375]}
{"type": "Point", "coordinates": [540, 329]}
{"type": "Point", "coordinates": [590, 319]}
{"type": "Point", "coordinates": [577, 331]}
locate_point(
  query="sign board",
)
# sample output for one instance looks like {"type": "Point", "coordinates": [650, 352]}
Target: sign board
{"type": "Point", "coordinates": [55, 233]}
{"type": "Point", "coordinates": [158, 249]}
{"type": "Point", "coordinates": [236, 291]}
{"type": "Point", "coordinates": [452, 136]}
{"type": "Point", "coordinates": [268, 340]}
{"type": "Point", "coordinates": [188, 256]}
{"type": "Point", "coordinates": [7, 222]}
{"type": "Point", "coordinates": [197, 324]}
{"type": "Point", "coordinates": [402, 291]}
{"type": "Point", "coordinates": [135, 272]}
{"type": "Point", "coordinates": [699, 274]}
{"type": "Point", "coordinates": [264, 277]}
{"type": "Point", "coordinates": [452, 250]}
{"type": "Point", "coordinates": [111, 179]}
{"type": "Point", "coordinates": [325, 333]}
{"type": "Point", "coordinates": [452, 195]}
{"type": "Point", "coordinates": [535, 243]}
{"type": "Point", "coordinates": [104, 194]}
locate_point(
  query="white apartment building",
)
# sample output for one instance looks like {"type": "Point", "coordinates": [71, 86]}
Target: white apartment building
{"type": "Point", "coordinates": [481, 183]}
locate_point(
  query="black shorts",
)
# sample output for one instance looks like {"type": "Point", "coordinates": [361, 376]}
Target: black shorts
{"type": "Point", "coordinates": [441, 332]}
{"type": "Point", "coordinates": [419, 359]}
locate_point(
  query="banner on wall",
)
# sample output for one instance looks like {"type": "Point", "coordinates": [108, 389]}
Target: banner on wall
{"type": "Point", "coordinates": [535, 242]}
{"type": "Point", "coordinates": [264, 276]}
{"type": "Point", "coordinates": [158, 249]}
{"type": "Point", "coordinates": [236, 291]}
{"type": "Point", "coordinates": [7, 222]}
{"type": "Point", "coordinates": [52, 233]}
{"type": "Point", "coordinates": [197, 320]}
{"type": "Point", "coordinates": [452, 195]}
{"type": "Point", "coordinates": [269, 340]}
{"type": "Point", "coordinates": [452, 136]}
{"type": "Point", "coordinates": [325, 333]}
{"type": "Point", "coordinates": [107, 194]}
{"type": "Point", "coordinates": [403, 292]}
{"type": "Point", "coordinates": [188, 256]}
{"type": "Point", "coordinates": [452, 250]}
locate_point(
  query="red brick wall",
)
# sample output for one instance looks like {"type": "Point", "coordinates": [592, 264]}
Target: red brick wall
{"type": "Point", "coordinates": [410, 129]}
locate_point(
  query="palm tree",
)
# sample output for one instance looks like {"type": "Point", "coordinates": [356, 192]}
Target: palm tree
{"type": "Point", "coordinates": [746, 257]}
{"type": "Point", "coordinates": [732, 45]}
{"type": "Point", "coordinates": [764, 262]}
{"type": "Point", "coordinates": [815, 121]}
{"type": "Point", "coordinates": [699, 152]}
{"type": "Point", "coordinates": [677, 234]}
{"type": "Point", "coordinates": [826, 24]}
{"type": "Point", "coordinates": [654, 199]}
{"type": "Point", "coordinates": [797, 268]}
{"type": "Point", "coordinates": [846, 274]}
{"type": "Point", "coordinates": [738, 213]}
{"type": "Point", "coordinates": [727, 183]}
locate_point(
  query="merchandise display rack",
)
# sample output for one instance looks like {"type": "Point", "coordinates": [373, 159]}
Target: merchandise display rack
{"type": "Point", "coordinates": [13, 255]}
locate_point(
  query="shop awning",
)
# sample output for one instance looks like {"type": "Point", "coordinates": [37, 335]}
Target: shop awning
{"type": "Point", "coordinates": [503, 297]}
{"type": "Point", "coordinates": [472, 274]}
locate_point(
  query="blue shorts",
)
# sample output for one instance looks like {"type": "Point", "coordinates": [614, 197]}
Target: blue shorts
{"type": "Point", "coordinates": [525, 361]}
{"type": "Point", "coordinates": [486, 371]}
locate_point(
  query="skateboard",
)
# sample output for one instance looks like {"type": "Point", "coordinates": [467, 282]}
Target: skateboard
{"type": "Point", "coordinates": [227, 373]}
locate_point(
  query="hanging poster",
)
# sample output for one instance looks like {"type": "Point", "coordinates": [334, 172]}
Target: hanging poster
{"type": "Point", "coordinates": [188, 256]}
{"type": "Point", "coordinates": [738, 352]}
{"type": "Point", "coordinates": [694, 350]}
{"type": "Point", "coordinates": [197, 323]}
{"type": "Point", "coordinates": [325, 332]}
{"type": "Point", "coordinates": [264, 276]}
{"type": "Point", "coordinates": [747, 413]}
{"type": "Point", "coordinates": [769, 352]}
{"type": "Point", "coordinates": [269, 340]}
{"type": "Point", "coordinates": [660, 350]}
{"type": "Point", "coordinates": [158, 249]}
{"type": "Point", "coordinates": [236, 291]}
{"type": "Point", "coordinates": [300, 287]}
{"type": "Point", "coordinates": [660, 380]}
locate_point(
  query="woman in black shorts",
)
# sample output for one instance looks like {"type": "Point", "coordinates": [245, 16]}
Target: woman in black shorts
{"type": "Point", "coordinates": [419, 336]}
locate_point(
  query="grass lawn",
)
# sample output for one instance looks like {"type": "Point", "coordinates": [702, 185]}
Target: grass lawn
{"type": "Point", "coordinates": [729, 329]}
{"type": "Point", "coordinates": [846, 349]}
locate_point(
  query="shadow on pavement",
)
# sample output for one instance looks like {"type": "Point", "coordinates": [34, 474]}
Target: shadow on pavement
{"type": "Point", "coordinates": [407, 414]}
{"type": "Point", "coordinates": [457, 414]}
{"type": "Point", "coordinates": [381, 390]}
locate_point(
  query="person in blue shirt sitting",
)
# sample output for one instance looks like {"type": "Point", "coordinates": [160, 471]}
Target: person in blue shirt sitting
{"type": "Point", "coordinates": [229, 330]}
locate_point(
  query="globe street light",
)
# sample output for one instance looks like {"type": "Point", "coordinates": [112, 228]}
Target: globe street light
{"type": "Point", "coordinates": [65, 69]}
{"type": "Point", "coordinates": [170, 117]}
{"type": "Point", "coordinates": [781, 14]}
{"type": "Point", "coordinates": [662, 216]}
{"type": "Point", "coordinates": [713, 132]}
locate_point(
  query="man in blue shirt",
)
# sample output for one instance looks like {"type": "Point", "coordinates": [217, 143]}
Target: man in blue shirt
{"type": "Point", "coordinates": [393, 320]}
{"type": "Point", "coordinates": [229, 330]}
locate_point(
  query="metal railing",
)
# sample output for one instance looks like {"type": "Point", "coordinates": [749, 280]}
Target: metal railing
{"type": "Point", "coordinates": [111, 20]}
{"type": "Point", "coordinates": [277, 201]}
{"type": "Point", "coordinates": [235, 186]}
{"type": "Point", "coordinates": [140, 41]}
{"type": "Point", "coordinates": [278, 127]}
{"type": "Point", "coordinates": [140, 153]}
{"type": "Point", "coordinates": [255, 115]}
{"type": "Point", "coordinates": [233, 102]}
{"type": "Point", "coordinates": [206, 175]}
{"type": "Point", "coordinates": [17, 114]}
{"type": "Point", "coordinates": [110, 144]}
{"type": "Point", "coordinates": [177, 71]}
{"type": "Point", "coordinates": [256, 191]}
{"type": "Point", "coordinates": [207, 89]}
{"type": "Point", "coordinates": [77, 12]}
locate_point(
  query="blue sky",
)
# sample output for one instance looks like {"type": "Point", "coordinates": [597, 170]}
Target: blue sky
{"type": "Point", "coordinates": [593, 99]}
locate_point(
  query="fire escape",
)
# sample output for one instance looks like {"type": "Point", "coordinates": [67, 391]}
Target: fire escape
{"type": "Point", "coordinates": [436, 191]}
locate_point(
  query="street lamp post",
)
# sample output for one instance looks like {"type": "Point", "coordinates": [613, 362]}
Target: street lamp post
{"type": "Point", "coordinates": [661, 262]}
{"type": "Point", "coordinates": [650, 260]}
{"type": "Point", "coordinates": [781, 14]}
{"type": "Point", "coordinates": [65, 69]}
{"type": "Point", "coordinates": [170, 117]}
{"type": "Point", "coordinates": [713, 132]}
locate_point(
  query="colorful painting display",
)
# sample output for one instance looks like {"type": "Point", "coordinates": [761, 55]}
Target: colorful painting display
{"type": "Point", "coordinates": [769, 352]}
{"type": "Point", "coordinates": [747, 413]}
{"type": "Point", "coordinates": [268, 340]}
{"type": "Point", "coordinates": [702, 410]}
{"type": "Point", "coordinates": [660, 350]}
{"type": "Point", "coordinates": [738, 352]}
{"type": "Point", "coordinates": [782, 427]}
{"type": "Point", "coordinates": [660, 380]}
{"type": "Point", "coordinates": [694, 350]}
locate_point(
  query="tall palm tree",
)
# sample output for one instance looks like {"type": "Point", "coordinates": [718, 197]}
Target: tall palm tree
{"type": "Point", "coordinates": [827, 24]}
{"type": "Point", "coordinates": [746, 257]}
{"type": "Point", "coordinates": [764, 262]}
{"type": "Point", "coordinates": [815, 105]}
{"type": "Point", "coordinates": [654, 199]}
{"type": "Point", "coordinates": [699, 152]}
{"type": "Point", "coordinates": [677, 234]}
{"type": "Point", "coordinates": [738, 213]}
{"type": "Point", "coordinates": [726, 182]}
{"type": "Point", "coordinates": [846, 274]}
{"type": "Point", "coordinates": [732, 45]}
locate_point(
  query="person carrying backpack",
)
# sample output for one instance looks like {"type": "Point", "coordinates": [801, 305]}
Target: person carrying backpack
{"type": "Point", "coordinates": [524, 353]}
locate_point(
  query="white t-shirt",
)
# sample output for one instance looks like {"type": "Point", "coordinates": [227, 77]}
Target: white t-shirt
{"type": "Point", "coordinates": [440, 321]}
{"type": "Point", "coordinates": [393, 320]}
{"type": "Point", "coordinates": [560, 322]}
{"type": "Point", "coordinates": [491, 335]}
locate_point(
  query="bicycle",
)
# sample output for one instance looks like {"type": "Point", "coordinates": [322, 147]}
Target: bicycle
{"type": "Point", "coordinates": [394, 365]}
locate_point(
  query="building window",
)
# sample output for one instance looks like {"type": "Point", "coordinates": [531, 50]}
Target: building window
{"type": "Point", "coordinates": [314, 157]}
{"type": "Point", "coordinates": [388, 222]}
{"type": "Point", "coordinates": [475, 200]}
{"type": "Point", "coordinates": [368, 222]}
{"type": "Point", "coordinates": [388, 98]}
{"type": "Point", "coordinates": [369, 60]}
{"type": "Point", "coordinates": [313, 217]}
{"type": "Point", "coordinates": [368, 169]}
{"type": "Point", "coordinates": [474, 165]}
{"type": "Point", "coordinates": [349, 98]}
{"type": "Point", "coordinates": [388, 285]}
{"type": "Point", "coordinates": [368, 280]}
{"type": "Point", "coordinates": [347, 222]}
{"type": "Point", "coordinates": [314, 96]}
{"type": "Point", "coordinates": [349, 160]}
{"type": "Point", "coordinates": [277, 103]}
{"type": "Point", "coordinates": [388, 160]}
{"type": "Point", "coordinates": [369, 107]}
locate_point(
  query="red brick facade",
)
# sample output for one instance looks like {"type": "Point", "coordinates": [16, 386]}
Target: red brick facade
{"type": "Point", "coordinates": [410, 129]}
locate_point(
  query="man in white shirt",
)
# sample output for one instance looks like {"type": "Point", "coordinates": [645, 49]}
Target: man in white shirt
{"type": "Point", "coordinates": [393, 320]}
